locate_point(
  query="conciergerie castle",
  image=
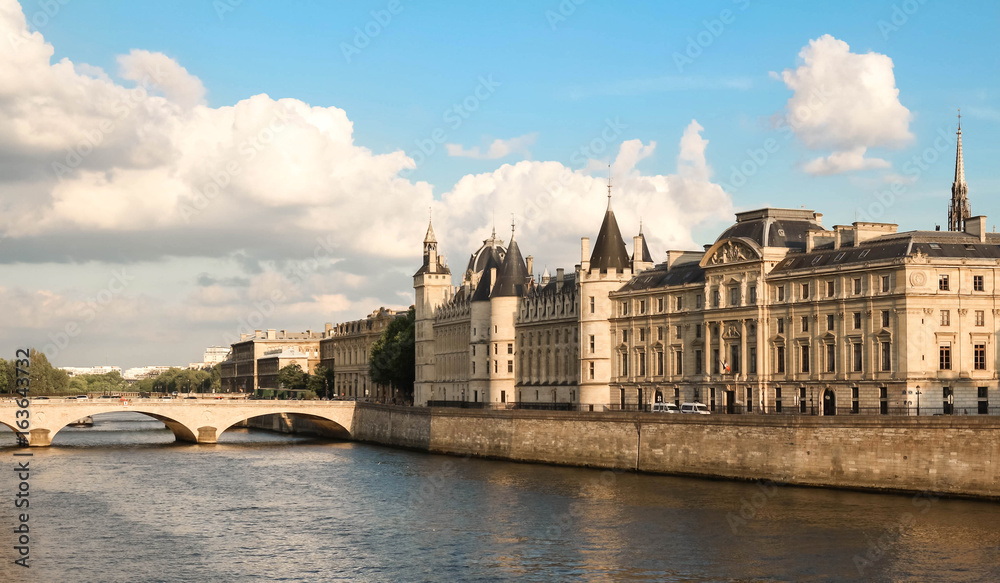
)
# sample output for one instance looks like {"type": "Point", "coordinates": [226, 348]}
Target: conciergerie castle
{"type": "Point", "coordinates": [780, 314]}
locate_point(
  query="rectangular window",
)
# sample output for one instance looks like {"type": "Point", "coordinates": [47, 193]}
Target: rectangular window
{"type": "Point", "coordinates": [857, 320]}
{"type": "Point", "coordinates": [473, 367]}
{"type": "Point", "coordinates": [984, 401]}
{"type": "Point", "coordinates": [831, 358]}
{"type": "Point", "coordinates": [734, 359]}
{"type": "Point", "coordinates": [510, 348]}
{"type": "Point", "coordinates": [591, 371]}
{"type": "Point", "coordinates": [659, 304]}
{"type": "Point", "coordinates": [781, 293]}
{"type": "Point", "coordinates": [715, 361]}
{"type": "Point", "coordinates": [857, 348]}
{"type": "Point", "coordinates": [857, 286]}
{"type": "Point", "coordinates": [885, 318]}
{"type": "Point", "coordinates": [802, 399]}
{"type": "Point", "coordinates": [624, 308]}
{"type": "Point", "coordinates": [697, 330]}
{"type": "Point", "coordinates": [980, 318]}
{"type": "Point", "coordinates": [680, 303]}
{"type": "Point", "coordinates": [510, 366]}
{"type": "Point", "coordinates": [805, 291]}
{"type": "Point", "coordinates": [677, 331]}
{"type": "Point", "coordinates": [829, 322]}
{"type": "Point", "coordinates": [883, 400]}
{"type": "Point", "coordinates": [734, 296]}
{"type": "Point", "coordinates": [978, 283]}
{"type": "Point", "coordinates": [679, 362]}
{"type": "Point", "coordinates": [749, 400]}
{"type": "Point", "coordinates": [642, 363]}
{"type": "Point", "coordinates": [781, 325]}
{"type": "Point", "coordinates": [945, 358]}
{"type": "Point", "coordinates": [781, 359]}
{"type": "Point", "coordinates": [496, 367]}
{"type": "Point", "coordinates": [805, 323]}
{"type": "Point", "coordinates": [591, 343]}
{"type": "Point", "coordinates": [855, 397]}
{"type": "Point", "coordinates": [830, 289]}
{"type": "Point", "coordinates": [805, 358]}
{"type": "Point", "coordinates": [886, 356]}
{"type": "Point", "coordinates": [659, 363]}
{"type": "Point", "coordinates": [699, 301]}
{"type": "Point", "coordinates": [591, 304]}
{"type": "Point", "coordinates": [624, 335]}
{"type": "Point", "coordinates": [624, 368]}
{"type": "Point", "coordinates": [496, 348]}
{"type": "Point", "coordinates": [752, 294]}
{"type": "Point", "coordinates": [946, 317]}
{"type": "Point", "coordinates": [777, 399]}
{"type": "Point", "coordinates": [698, 364]}
{"type": "Point", "coordinates": [642, 334]}
{"type": "Point", "coordinates": [715, 298]}
{"type": "Point", "coordinates": [979, 356]}
{"type": "Point", "coordinates": [659, 332]}
{"type": "Point", "coordinates": [752, 358]}
{"type": "Point", "coordinates": [642, 306]}
{"type": "Point", "coordinates": [943, 283]}
{"type": "Point", "coordinates": [885, 284]}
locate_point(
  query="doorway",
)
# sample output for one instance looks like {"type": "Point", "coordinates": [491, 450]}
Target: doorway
{"type": "Point", "coordinates": [730, 397]}
{"type": "Point", "coordinates": [829, 402]}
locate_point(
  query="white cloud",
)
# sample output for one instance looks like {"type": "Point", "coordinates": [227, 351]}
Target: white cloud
{"type": "Point", "coordinates": [844, 162]}
{"type": "Point", "coordinates": [845, 102]}
{"type": "Point", "coordinates": [498, 148]}
{"type": "Point", "coordinates": [160, 71]}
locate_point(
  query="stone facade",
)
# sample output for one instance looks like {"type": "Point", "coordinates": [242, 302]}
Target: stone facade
{"type": "Point", "coordinates": [240, 369]}
{"type": "Point", "coordinates": [346, 350]}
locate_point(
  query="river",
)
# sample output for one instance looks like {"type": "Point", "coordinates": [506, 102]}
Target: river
{"type": "Point", "coordinates": [121, 502]}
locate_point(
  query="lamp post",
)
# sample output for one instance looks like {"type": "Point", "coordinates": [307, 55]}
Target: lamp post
{"type": "Point", "coordinates": [918, 400]}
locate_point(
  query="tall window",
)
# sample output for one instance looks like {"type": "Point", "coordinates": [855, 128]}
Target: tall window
{"type": "Point", "coordinates": [857, 348]}
{"type": "Point", "coordinates": [805, 323]}
{"type": "Point", "coordinates": [885, 318]}
{"type": "Point", "coordinates": [781, 325]}
{"type": "Point", "coordinates": [715, 361]}
{"type": "Point", "coordinates": [886, 356]}
{"type": "Point", "coordinates": [697, 330]}
{"type": "Point", "coordinates": [659, 363]}
{"type": "Point", "coordinates": [979, 352]}
{"type": "Point", "coordinates": [943, 283]}
{"type": "Point", "coordinates": [980, 318]}
{"type": "Point", "coordinates": [829, 321]}
{"type": "Point", "coordinates": [857, 286]}
{"type": "Point", "coordinates": [624, 367]}
{"type": "Point", "coordinates": [641, 355]}
{"type": "Point", "coordinates": [752, 359]}
{"type": "Point", "coordinates": [510, 348]}
{"type": "Point", "coordinates": [830, 289]}
{"type": "Point", "coordinates": [642, 306]}
{"type": "Point", "coordinates": [591, 343]}
{"type": "Point", "coordinates": [945, 358]}
{"type": "Point", "coordinates": [624, 308]}
{"type": "Point", "coordinates": [752, 294]}
{"type": "Point", "coordinates": [734, 359]}
{"type": "Point", "coordinates": [715, 298]}
{"type": "Point", "coordinates": [857, 320]}
{"type": "Point", "coordinates": [591, 304]}
{"type": "Point", "coordinates": [659, 304]}
{"type": "Point", "coordinates": [698, 364]}
{"type": "Point", "coordinates": [805, 358]}
{"type": "Point", "coordinates": [777, 399]}
{"type": "Point", "coordinates": [749, 400]}
{"type": "Point", "coordinates": [679, 362]}
{"type": "Point", "coordinates": [855, 395]}
{"type": "Point", "coordinates": [977, 283]}
{"type": "Point", "coordinates": [781, 293]}
{"type": "Point", "coordinates": [510, 366]}
{"type": "Point", "coordinates": [734, 296]}
{"type": "Point", "coordinates": [831, 358]}
{"type": "Point", "coordinates": [677, 331]}
{"type": "Point", "coordinates": [805, 291]}
{"type": "Point", "coordinates": [946, 317]}
{"type": "Point", "coordinates": [642, 334]}
{"type": "Point", "coordinates": [591, 371]}
{"type": "Point", "coordinates": [885, 284]}
{"type": "Point", "coordinates": [781, 359]}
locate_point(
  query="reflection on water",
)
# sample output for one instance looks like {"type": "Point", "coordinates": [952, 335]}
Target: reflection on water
{"type": "Point", "coordinates": [122, 502]}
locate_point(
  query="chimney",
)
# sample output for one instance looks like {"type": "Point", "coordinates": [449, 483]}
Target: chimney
{"type": "Point", "coordinates": [493, 278]}
{"type": "Point", "coordinates": [637, 249]}
{"type": "Point", "coordinates": [530, 263]}
{"type": "Point", "coordinates": [976, 226]}
{"type": "Point", "coordinates": [271, 334]}
{"type": "Point", "coordinates": [258, 333]}
{"type": "Point", "coordinates": [810, 241]}
{"type": "Point", "coordinates": [309, 333]}
{"type": "Point", "coordinates": [560, 276]}
{"type": "Point", "coordinates": [282, 334]}
{"type": "Point", "coordinates": [585, 253]}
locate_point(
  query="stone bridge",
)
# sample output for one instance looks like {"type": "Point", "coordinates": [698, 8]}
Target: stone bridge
{"type": "Point", "coordinates": [191, 420]}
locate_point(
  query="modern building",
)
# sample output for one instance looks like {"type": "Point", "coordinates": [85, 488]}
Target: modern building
{"type": "Point", "coordinates": [780, 314]}
{"type": "Point", "coordinates": [240, 369]}
{"type": "Point", "coordinates": [275, 359]}
{"type": "Point", "coordinates": [345, 350]}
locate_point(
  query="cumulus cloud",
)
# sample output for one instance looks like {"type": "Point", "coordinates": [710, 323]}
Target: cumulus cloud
{"type": "Point", "coordinates": [845, 102]}
{"type": "Point", "coordinates": [498, 148]}
{"type": "Point", "coordinates": [163, 73]}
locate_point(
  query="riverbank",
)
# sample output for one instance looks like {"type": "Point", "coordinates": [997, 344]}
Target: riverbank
{"type": "Point", "coordinates": [955, 456]}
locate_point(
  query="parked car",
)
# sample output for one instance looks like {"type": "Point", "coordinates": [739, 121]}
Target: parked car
{"type": "Point", "coordinates": [665, 408]}
{"type": "Point", "coordinates": [697, 408]}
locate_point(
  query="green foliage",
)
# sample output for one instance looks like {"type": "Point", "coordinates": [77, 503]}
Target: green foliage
{"type": "Point", "coordinates": [292, 377]}
{"type": "Point", "coordinates": [321, 381]}
{"type": "Point", "coordinates": [393, 357]}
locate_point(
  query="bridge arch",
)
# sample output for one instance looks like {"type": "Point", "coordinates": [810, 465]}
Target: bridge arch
{"type": "Point", "coordinates": [181, 431]}
{"type": "Point", "coordinates": [327, 424]}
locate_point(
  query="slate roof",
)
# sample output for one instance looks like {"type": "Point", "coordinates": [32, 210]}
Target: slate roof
{"type": "Point", "coordinates": [609, 249]}
{"type": "Point", "coordinates": [660, 276]}
{"type": "Point", "coordinates": [512, 275]}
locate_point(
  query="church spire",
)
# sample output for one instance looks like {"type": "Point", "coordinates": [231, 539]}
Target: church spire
{"type": "Point", "coordinates": [429, 237]}
{"type": "Point", "coordinates": [959, 210]}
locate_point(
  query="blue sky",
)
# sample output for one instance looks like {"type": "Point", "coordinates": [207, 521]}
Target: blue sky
{"type": "Point", "coordinates": [558, 72]}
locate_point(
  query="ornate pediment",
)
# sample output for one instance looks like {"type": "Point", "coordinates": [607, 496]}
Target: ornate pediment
{"type": "Point", "coordinates": [731, 251]}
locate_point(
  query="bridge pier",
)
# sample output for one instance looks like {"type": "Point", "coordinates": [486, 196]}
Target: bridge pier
{"type": "Point", "coordinates": [39, 438]}
{"type": "Point", "coordinates": [208, 435]}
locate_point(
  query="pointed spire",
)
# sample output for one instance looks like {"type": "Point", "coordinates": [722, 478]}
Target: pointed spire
{"type": "Point", "coordinates": [429, 237]}
{"type": "Point", "coordinates": [609, 187]}
{"type": "Point", "coordinates": [959, 209]}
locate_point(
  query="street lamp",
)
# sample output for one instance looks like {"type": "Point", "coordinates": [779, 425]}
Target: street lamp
{"type": "Point", "coordinates": [918, 400]}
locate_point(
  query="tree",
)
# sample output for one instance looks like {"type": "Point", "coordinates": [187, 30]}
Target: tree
{"type": "Point", "coordinates": [292, 377]}
{"type": "Point", "coordinates": [393, 357]}
{"type": "Point", "coordinates": [321, 381]}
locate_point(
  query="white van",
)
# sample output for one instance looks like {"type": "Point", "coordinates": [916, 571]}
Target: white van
{"type": "Point", "coordinates": [665, 408]}
{"type": "Point", "coordinates": [698, 408]}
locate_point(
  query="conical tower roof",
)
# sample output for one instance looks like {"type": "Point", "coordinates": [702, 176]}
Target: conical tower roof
{"type": "Point", "coordinates": [483, 288]}
{"type": "Point", "coordinates": [609, 249]}
{"type": "Point", "coordinates": [645, 256]}
{"type": "Point", "coordinates": [513, 273]}
{"type": "Point", "coordinates": [429, 237]}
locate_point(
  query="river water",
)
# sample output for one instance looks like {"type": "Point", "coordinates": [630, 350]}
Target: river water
{"type": "Point", "coordinates": [121, 502]}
